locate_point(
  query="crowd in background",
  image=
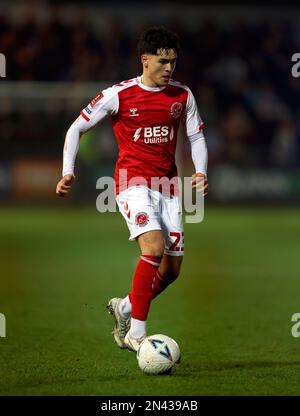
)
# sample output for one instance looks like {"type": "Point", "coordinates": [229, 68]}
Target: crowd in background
{"type": "Point", "coordinates": [240, 75]}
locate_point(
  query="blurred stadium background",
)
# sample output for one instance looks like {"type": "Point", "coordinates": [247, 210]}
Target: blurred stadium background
{"type": "Point", "coordinates": [236, 60]}
{"type": "Point", "coordinates": [58, 256]}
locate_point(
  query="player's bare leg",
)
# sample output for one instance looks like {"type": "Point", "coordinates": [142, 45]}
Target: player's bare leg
{"type": "Point", "coordinates": [152, 243]}
{"type": "Point", "coordinates": [167, 273]}
{"type": "Point", "coordinates": [152, 246]}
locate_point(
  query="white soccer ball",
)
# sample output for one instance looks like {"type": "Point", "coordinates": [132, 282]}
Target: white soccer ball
{"type": "Point", "coordinates": [158, 354]}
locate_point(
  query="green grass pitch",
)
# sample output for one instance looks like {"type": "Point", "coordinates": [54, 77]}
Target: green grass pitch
{"type": "Point", "coordinates": [230, 310]}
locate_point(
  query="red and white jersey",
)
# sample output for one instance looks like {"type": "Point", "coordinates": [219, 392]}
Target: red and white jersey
{"type": "Point", "coordinates": [145, 122]}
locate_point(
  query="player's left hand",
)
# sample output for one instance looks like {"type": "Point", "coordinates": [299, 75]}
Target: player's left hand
{"type": "Point", "coordinates": [200, 183]}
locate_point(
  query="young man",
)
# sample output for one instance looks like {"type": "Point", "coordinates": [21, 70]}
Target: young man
{"type": "Point", "coordinates": [146, 113]}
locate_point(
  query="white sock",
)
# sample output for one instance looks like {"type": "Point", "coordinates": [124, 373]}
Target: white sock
{"type": "Point", "coordinates": [125, 307]}
{"type": "Point", "coordinates": [137, 328]}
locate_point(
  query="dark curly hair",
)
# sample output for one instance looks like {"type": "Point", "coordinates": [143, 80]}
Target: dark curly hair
{"type": "Point", "coordinates": [155, 38]}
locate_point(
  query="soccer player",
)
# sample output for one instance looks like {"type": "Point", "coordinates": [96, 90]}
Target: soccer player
{"type": "Point", "coordinates": [146, 113]}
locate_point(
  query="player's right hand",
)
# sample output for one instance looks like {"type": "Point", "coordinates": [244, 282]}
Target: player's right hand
{"type": "Point", "coordinates": [64, 185]}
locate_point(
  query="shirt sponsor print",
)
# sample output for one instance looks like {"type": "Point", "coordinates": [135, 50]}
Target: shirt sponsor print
{"type": "Point", "coordinates": [155, 134]}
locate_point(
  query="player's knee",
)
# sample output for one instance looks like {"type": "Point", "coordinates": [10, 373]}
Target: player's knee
{"type": "Point", "coordinates": [155, 248]}
{"type": "Point", "coordinates": [152, 244]}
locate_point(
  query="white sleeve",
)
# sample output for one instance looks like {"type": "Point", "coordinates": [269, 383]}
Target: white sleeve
{"type": "Point", "coordinates": [199, 152]}
{"type": "Point", "coordinates": [193, 122]}
{"type": "Point", "coordinates": [105, 103]}
{"type": "Point", "coordinates": [71, 146]}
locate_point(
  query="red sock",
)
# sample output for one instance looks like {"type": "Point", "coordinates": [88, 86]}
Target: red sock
{"type": "Point", "coordinates": [142, 286]}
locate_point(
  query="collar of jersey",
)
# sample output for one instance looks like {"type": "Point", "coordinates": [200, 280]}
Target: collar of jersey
{"type": "Point", "coordinates": [145, 87]}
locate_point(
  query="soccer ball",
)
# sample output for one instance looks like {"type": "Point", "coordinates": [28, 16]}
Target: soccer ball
{"type": "Point", "coordinates": [158, 354]}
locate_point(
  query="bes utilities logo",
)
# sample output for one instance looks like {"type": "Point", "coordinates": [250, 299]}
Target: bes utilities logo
{"type": "Point", "coordinates": [155, 134]}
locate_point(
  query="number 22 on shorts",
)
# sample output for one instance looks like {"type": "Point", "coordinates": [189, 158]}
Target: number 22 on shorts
{"type": "Point", "coordinates": [175, 245]}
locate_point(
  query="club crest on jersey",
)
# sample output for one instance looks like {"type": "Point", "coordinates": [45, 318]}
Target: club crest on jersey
{"type": "Point", "coordinates": [96, 99]}
{"type": "Point", "coordinates": [141, 219]}
{"type": "Point", "coordinates": [133, 112]}
{"type": "Point", "coordinates": [176, 110]}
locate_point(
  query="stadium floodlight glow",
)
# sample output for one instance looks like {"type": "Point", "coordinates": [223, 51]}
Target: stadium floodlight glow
{"type": "Point", "coordinates": [2, 325]}
{"type": "Point", "coordinates": [2, 65]}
